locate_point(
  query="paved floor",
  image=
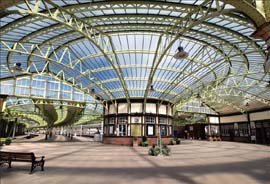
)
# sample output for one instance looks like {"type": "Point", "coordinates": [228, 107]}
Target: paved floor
{"type": "Point", "coordinates": [82, 161]}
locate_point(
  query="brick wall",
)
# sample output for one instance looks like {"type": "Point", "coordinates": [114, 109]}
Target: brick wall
{"type": "Point", "coordinates": [236, 139]}
{"type": "Point", "coordinates": [127, 141]}
{"type": "Point", "coordinates": [130, 141]}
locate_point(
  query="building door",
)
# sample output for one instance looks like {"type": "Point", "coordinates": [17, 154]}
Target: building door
{"type": "Point", "coordinates": [259, 135]}
{"type": "Point", "coordinates": [231, 133]}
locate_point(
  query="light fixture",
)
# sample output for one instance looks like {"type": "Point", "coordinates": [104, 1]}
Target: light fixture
{"type": "Point", "coordinates": [180, 54]}
{"type": "Point", "coordinates": [152, 88]}
{"type": "Point", "coordinates": [17, 67]}
{"type": "Point", "coordinates": [268, 84]}
{"type": "Point", "coordinates": [99, 98]}
{"type": "Point", "coordinates": [202, 104]}
{"type": "Point", "coordinates": [246, 101]}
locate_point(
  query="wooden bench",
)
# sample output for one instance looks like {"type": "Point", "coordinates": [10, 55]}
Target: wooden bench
{"type": "Point", "coordinates": [9, 157]}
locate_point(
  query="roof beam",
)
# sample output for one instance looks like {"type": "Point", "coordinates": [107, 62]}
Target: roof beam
{"type": "Point", "coordinates": [193, 18]}
{"type": "Point", "coordinates": [44, 56]}
{"type": "Point", "coordinates": [94, 35]}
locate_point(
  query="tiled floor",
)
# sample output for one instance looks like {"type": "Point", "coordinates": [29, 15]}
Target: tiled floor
{"type": "Point", "coordinates": [83, 161]}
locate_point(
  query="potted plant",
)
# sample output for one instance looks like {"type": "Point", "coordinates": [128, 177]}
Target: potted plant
{"type": "Point", "coordinates": [177, 141]}
{"type": "Point", "coordinates": [165, 150]}
{"type": "Point", "coordinates": [8, 141]}
{"type": "Point", "coordinates": [155, 151]}
{"type": "Point", "coordinates": [1, 142]}
{"type": "Point", "coordinates": [172, 142]}
{"type": "Point", "coordinates": [144, 141]}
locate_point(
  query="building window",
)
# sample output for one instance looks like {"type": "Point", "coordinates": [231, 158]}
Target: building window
{"type": "Point", "coordinates": [112, 120]}
{"type": "Point", "coordinates": [150, 127]}
{"type": "Point", "coordinates": [258, 124]}
{"type": "Point", "coordinates": [122, 119]}
{"type": "Point", "coordinates": [162, 120]}
{"type": "Point", "coordinates": [163, 131]}
{"type": "Point", "coordinates": [236, 129]}
{"type": "Point", "coordinates": [214, 130]}
{"type": "Point", "coordinates": [266, 124]}
{"type": "Point", "coordinates": [225, 129]}
{"type": "Point", "coordinates": [122, 129]}
{"type": "Point", "coordinates": [243, 130]}
{"type": "Point", "coordinates": [111, 129]}
{"type": "Point", "coordinates": [169, 121]}
{"type": "Point", "coordinates": [170, 130]}
{"type": "Point", "coordinates": [150, 120]}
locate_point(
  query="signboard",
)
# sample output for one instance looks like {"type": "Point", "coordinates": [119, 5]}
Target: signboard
{"type": "Point", "coordinates": [150, 130]}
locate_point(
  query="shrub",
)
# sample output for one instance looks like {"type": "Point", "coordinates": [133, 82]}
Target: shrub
{"type": "Point", "coordinates": [2, 141]}
{"type": "Point", "coordinates": [155, 151]}
{"type": "Point", "coordinates": [8, 141]}
{"type": "Point", "coordinates": [165, 150]}
{"type": "Point", "coordinates": [177, 141]}
{"type": "Point", "coordinates": [144, 138]}
{"type": "Point", "coordinates": [172, 142]}
{"type": "Point", "coordinates": [145, 143]}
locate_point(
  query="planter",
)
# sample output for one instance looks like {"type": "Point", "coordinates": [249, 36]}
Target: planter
{"type": "Point", "coordinates": [8, 141]}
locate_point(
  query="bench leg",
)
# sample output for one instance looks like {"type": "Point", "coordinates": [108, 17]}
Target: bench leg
{"type": "Point", "coordinates": [9, 164]}
{"type": "Point", "coordinates": [42, 166]}
{"type": "Point", "coordinates": [32, 167]}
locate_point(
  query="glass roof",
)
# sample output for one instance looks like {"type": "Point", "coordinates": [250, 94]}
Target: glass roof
{"type": "Point", "coordinates": [118, 49]}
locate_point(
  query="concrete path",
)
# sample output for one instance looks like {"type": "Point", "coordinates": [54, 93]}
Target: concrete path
{"type": "Point", "coordinates": [86, 162]}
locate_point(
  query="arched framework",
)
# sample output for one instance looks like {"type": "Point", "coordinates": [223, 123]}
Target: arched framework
{"type": "Point", "coordinates": [112, 50]}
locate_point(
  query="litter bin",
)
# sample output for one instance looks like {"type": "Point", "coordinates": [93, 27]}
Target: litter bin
{"type": "Point", "coordinates": [97, 137]}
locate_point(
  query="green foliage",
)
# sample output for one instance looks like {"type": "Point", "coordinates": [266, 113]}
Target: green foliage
{"type": "Point", "coordinates": [172, 142]}
{"type": "Point", "coordinates": [8, 141]}
{"type": "Point", "coordinates": [189, 118]}
{"type": "Point", "coordinates": [144, 144]}
{"type": "Point", "coordinates": [165, 150]}
{"type": "Point", "coordinates": [177, 141]}
{"type": "Point", "coordinates": [155, 151]}
{"type": "Point", "coordinates": [144, 139]}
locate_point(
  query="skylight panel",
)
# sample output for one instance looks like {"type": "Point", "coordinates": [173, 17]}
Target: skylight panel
{"type": "Point", "coordinates": [108, 12]}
